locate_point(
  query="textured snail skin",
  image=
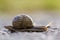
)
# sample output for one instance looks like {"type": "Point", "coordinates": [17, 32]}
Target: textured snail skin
{"type": "Point", "coordinates": [34, 29]}
{"type": "Point", "coordinates": [22, 21]}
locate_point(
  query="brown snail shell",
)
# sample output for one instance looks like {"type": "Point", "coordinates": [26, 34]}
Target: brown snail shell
{"type": "Point", "coordinates": [22, 21]}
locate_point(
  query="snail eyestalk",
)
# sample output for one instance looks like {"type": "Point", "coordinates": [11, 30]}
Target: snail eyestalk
{"type": "Point", "coordinates": [48, 25]}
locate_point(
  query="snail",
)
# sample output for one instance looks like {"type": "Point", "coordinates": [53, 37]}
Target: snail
{"type": "Point", "coordinates": [24, 23]}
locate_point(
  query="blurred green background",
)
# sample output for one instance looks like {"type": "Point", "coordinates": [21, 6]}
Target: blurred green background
{"type": "Point", "coordinates": [29, 5]}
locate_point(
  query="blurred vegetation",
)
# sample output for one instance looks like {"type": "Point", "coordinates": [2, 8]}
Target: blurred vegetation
{"type": "Point", "coordinates": [14, 5]}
